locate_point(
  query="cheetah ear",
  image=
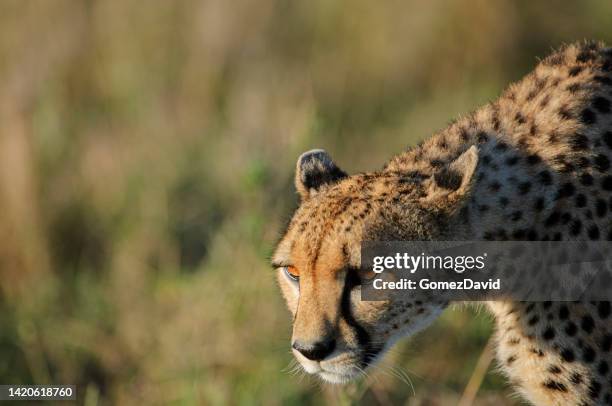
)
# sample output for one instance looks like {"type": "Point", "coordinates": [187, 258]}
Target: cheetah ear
{"type": "Point", "coordinates": [455, 178]}
{"type": "Point", "coordinates": [315, 169]}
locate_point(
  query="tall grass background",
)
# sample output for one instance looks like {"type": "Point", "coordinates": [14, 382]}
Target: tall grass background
{"type": "Point", "coordinates": [146, 161]}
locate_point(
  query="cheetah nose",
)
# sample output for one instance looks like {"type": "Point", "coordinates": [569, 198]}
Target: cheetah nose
{"type": "Point", "coordinates": [317, 351]}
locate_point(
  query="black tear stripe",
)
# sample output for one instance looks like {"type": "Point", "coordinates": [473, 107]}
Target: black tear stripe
{"type": "Point", "coordinates": [370, 351]}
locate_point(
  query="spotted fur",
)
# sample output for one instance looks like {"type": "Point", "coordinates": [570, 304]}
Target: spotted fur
{"type": "Point", "coordinates": [532, 165]}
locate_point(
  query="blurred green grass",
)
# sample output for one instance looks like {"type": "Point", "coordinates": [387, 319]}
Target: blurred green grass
{"type": "Point", "coordinates": [147, 153]}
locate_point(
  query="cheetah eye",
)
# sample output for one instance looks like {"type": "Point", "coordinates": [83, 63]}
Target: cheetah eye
{"type": "Point", "coordinates": [292, 272]}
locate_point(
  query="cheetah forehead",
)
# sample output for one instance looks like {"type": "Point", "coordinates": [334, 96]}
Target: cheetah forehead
{"type": "Point", "coordinates": [329, 230]}
{"type": "Point", "coordinates": [334, 223]}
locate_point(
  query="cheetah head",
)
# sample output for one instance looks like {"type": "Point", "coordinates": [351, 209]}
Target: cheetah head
{"type": "Point", "coordinates": [336, 335]}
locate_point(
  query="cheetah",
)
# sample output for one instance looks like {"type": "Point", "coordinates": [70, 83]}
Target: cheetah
{"type": "Point", "coordinates": [533, 165]}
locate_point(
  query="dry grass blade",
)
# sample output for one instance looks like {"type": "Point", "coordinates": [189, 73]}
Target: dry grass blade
{"type": "Point", "coordinates": [473, 385]}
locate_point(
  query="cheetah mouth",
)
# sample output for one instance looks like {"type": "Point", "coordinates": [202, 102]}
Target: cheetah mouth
{"type": "Point", "coordinates": [345, 373]}
{"type": "Point", "coordinates": [343, 366]}
{"type": "Point", "coordinates": [345, 370]}
{"type": "Point", "coordinates": [338, 377]}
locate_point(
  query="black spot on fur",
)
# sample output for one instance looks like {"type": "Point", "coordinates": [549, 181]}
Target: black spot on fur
{"type": "Point", "coordinates": [576, 378]}
{"type": "Point", "coordinates": [539, 204]}
{"type": "Point", "coordinates": [603, 368]}
{"type": "Point", "coordinates": [602, 163]}
{"type": "Point", "coordinates": [588, 117]}
{"type": "Point", "coordinates": [571, 329]}
{"type": "Point", "coordinates": [566, 218]}
{"type": "Point", "coordinates": [606, 342]}
{"type": "Point", "coordinates": [601, 207]}
{"type": "Point", "coordinates": [566, 190]}
{"type": "Point", "coordinates": [593, 232]}
{"type": "Point", "coordinates": [524, 188]}
{"type": "Point", "coordinates": [552, 219]}
{"type": "Point", "coordinates": [586, 179]}
{"type": "Point", "coordinates": [587, 324]}
{"type": "Point", "coordinates": [554, 385]}
{"type": "Point", "coordinates": [575, 71]}
{"type": "Point", "coordinates": [548, 334]}
{"type": "Point", "coordinates": [579, 142]}
{"type": "Point", "coordinates": [601, 104]}
{"type": "Point", "coordinates": [532, 235]}
{"type": "Point", "coordinates": [583, 162]}
{"type": "Point", "coordinates": [545, 178]}
{"type": "Point", "coordinates": [607, 137]}
{"type": "Point", "coordinates": [603, 80]}
{"type": "Point", "coordinates": [501, 146]}
{"type": "Point", "coordinates": [603, 309]}
{"type": "Point", "coordinates": [494, 186]}
{"type": "Point", "coordinates": [606, 183]}
{"type": "Point", "coordinates": [594, 389]}
{"type": "Point", "coordinates": [516, 215]}
{"type": "Point", "coordinates": [585, 55]}
{"type": "Point", "coordinates": [576, 227]}
{"type": "Point", "coordinates": [568, 355]}
{"type": "Point", "coordinates": [534, 159]}
{"type": "Point", "coordinates": [581, 200]}
{"type": "Point", "coordinates": [513, 160]}
{"type": "Point", "coordinates": [588, 354]}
